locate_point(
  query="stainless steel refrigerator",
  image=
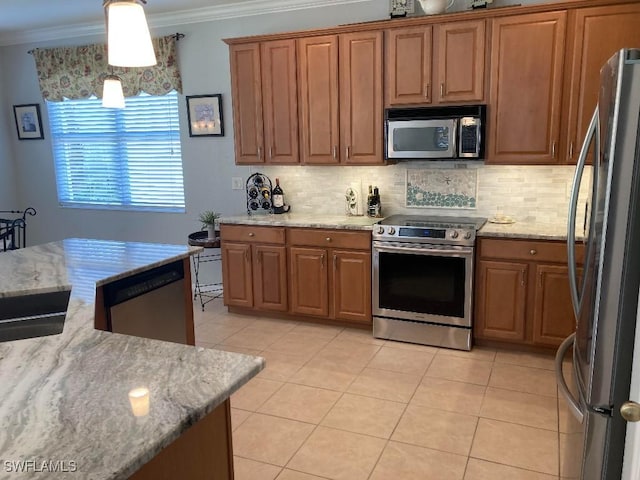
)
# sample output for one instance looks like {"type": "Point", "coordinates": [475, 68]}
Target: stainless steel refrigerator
{"type": "Point", "coordinates": [597, 370]}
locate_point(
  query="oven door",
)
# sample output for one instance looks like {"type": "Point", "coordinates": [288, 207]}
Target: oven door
{"type": "Point", "coordinates": [408, 139]}
{"type": "Point", "coordinates": [422, 282]}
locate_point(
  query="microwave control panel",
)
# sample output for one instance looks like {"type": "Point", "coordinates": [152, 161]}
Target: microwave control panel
{"type": "Point", "coordinates": [469, 136]}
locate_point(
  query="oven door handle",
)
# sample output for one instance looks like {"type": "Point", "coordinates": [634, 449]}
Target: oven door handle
{"type": "Point", "coordinates": [464, 252]}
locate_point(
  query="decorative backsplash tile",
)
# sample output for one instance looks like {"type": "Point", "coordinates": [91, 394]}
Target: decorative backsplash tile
{"type": "Point", "coordinates": [526, 193]}
{"type": "Point", "coordinates": [441, 188]}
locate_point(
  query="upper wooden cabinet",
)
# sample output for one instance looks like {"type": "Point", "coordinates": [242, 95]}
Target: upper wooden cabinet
{"type": "Point", "coordinates": [246, 94]}
{"type": "Point", "coordinates": [527, 55]}
{"type": "Point", "coordinates": [598, 33]}
{"type": "Point", "coordinates": [265, 102]}
{"type": "Point", "coordinates": [319, 101]}
{"type": "Point", "coordinates": [341, 98]}
{"type": "Point", "coordinates": [408, 65]}
{"type": "Point", "coordinates": [439, 64]}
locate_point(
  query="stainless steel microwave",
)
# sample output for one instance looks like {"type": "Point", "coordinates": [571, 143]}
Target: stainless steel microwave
{"type": "Point", "coordinates": [435, 133]}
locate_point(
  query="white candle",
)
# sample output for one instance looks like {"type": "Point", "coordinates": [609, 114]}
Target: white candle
{"type": "Point", "coordinates": [139, 399]}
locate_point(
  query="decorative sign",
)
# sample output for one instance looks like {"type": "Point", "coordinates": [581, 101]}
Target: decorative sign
{"type": "Point", "coordinates": [442, 188]}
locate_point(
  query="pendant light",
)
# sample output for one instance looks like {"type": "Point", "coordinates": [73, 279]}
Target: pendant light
{"type": "Point", "coordinates": [112, 96]}
{"type": "Point", "coordinates": [128, 38]}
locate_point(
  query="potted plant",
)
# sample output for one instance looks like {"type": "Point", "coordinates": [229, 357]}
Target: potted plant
{"type": "Point", "coordinates": [209, 218]}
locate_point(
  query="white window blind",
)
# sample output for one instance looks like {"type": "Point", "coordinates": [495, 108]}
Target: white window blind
{"type": "Point", "coordinates": [125, 159]}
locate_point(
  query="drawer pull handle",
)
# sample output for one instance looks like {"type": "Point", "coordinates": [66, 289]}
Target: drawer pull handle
{"type": "Point", "coordinates": [328, 239]}
{"type": "Point", "coordinates": [251, 234]}
{"type": "Point", "coordinates": [533, 251]}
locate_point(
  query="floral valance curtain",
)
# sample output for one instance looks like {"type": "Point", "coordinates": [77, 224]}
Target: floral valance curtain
{"type": "Point", "coordinates": [78, 72]}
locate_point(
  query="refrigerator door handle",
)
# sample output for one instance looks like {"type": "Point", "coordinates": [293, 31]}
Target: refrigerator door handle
{"type": "Point", "coordinates": [573, 206]}
{"type": "Point", "coordinates": [574, 404]}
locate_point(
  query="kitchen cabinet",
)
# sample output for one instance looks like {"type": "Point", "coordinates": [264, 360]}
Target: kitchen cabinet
{"type": "Point", "coordinates": [254, 267]}
{"type": "Point", "coordinates": [330, 274]}
{"type": "Point", "coordinates": [523, 292]}
{"type": "Point", "coordinates": [435, 64]}
{"type": "Point", "coordinates": [553, 318]}
{"type": "Point", "coordinates": [265, 102]}
{"type": "Point", "coordinates": [341, 98]}
{"type": "Point", "coordinates": [598, 33]}
{"type": "Point", "coordinates": [500, 300]}
{"type": "Point", "coordinates": [527, 55]}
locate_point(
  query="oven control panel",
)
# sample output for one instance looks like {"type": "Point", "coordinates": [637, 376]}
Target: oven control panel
{"type": "Point", "coordinates": [453, 236]}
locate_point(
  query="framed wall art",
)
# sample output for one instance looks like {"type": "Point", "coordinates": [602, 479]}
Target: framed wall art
{"type": "Point", "coordinates": [205, 115]}
{"type": "Point", "coordinates": [28, 121]}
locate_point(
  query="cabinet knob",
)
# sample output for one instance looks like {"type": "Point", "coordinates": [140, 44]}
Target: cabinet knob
{"type": "Point", "coordinates": [251, 234]}
{"type": "Point", "coordinates": [328, 239]}
{"type": "Point", "coordinates": [533, 251]}
{"type": "Point", "coordinates": [630, 411]}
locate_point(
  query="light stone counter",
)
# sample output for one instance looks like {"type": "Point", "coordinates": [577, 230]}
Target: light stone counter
{"type": "Point", "coordinates": [65, 397]}
{"type": "Point", "coordinates": [303, 220]}
{"type": "Point", "coordinates": [527, 230]}
{"type": "Point", "coordinates": [519, 229]}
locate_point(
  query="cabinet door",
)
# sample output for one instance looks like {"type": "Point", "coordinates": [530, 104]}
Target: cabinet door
{"type": "Point", "coordinates": [553, 317]}
{"type": "Point", "coordinates": [280, 101]}
{"type": "Point", "coordinates": [361, 112]}
{"type": "Point", "coordinates": [408, 65]}
{"type": "Point", "coordinates": [500, 300]}
{"type": "Point", "coordinates": [319, 108]}
{"type": "Point", "coordinates": [246, 93]}
{"type": "Point", "coordinates": [460, 62]}
{"type": "Point", "coordinates": [352, 286]}
{"type": "Point", "coordinates": [270, 277]}
{"type": "Point", "coordinates": [526, 81]}
{"type": "Point", "coordinates": [599, 33]}
{"type": "Point", "coordinates": [309, 281]}
{"type": "Point", "coordinates": [236, 274]}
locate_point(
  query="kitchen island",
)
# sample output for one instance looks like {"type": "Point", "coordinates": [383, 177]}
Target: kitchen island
{"type": "Point", "coordinates": [65, 405]}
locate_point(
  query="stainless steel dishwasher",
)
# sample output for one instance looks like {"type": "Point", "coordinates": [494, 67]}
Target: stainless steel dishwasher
{"type": "Point", "coordinates": [150, 304]}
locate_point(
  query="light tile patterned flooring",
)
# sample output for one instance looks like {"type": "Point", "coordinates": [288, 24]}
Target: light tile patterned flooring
{"type": "Point", "coordinates": [335, 403]}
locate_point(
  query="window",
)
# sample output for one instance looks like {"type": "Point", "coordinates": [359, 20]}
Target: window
{"type": "Point", "coordinates": [124, 159]}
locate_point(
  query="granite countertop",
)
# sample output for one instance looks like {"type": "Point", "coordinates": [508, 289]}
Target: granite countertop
{"type": "Point", "coordinates": [65, 397]}
{"type": "Point", "coordinates": [303, 220]}
{"type": "Point", "coordinates": [526, 230]}
{"type": "Point", "coordinates": [520, 229]}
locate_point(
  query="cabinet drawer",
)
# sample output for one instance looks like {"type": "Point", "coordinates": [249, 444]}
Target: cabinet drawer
{"type": "Point", "coordinates": [330, 238]}
{"type": "Point", "coordinates": [530, 250]}
{"type": "Point", "coordinates": [246, 233]}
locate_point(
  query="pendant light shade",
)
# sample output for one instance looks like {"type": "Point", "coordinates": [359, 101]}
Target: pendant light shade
{"type": "Point", "coordinates": [112, 96]}
{"type": "Point", "coordinates": [128, 38]}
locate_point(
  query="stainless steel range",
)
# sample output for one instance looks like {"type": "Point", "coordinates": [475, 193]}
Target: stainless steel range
{"type": "Point", "coordinates": [423, 279]}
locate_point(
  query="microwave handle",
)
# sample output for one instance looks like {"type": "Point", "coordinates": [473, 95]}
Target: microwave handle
{"type": "Point", "coordinates": [453, 135]}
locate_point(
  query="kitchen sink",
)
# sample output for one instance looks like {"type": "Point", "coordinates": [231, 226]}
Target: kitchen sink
{"type": "Point", "coordinates": [35, 315]}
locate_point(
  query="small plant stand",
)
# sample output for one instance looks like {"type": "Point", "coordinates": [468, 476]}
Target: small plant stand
{"type": "Point", "coordinates": [205, 292]}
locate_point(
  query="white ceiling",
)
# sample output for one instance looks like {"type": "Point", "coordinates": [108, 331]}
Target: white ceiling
{"type": "Point", "coordinates": [25, 21]}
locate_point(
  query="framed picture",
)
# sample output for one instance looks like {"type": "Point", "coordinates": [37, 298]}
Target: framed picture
{"type": "Point", "coordinates": [28, 121]}
{"type": "Point", "coordinates": [205, 115]}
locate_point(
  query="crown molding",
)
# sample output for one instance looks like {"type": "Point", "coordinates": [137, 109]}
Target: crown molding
{"type": "Point", "coordinates": [182, 17]}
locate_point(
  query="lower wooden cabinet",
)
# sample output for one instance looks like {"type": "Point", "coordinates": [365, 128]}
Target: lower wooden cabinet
{"type": "Point", "coordinates": [254, 274]}
{"type": "Point", "coordinates": [321, 273]}
{"type": "Point", "coordinates": [330, 274]}
{"type": "Point", "coordinates": [309, 281]}
{"type": "Point", "coordinates": [522, 292]}
{"type": "Point", "coordinates": [500, 300]}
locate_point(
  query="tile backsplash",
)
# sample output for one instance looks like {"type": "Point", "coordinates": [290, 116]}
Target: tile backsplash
{"type": "Point", "coordinates": [526, 193]}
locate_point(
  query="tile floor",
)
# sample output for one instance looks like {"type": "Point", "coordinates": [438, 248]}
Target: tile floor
{"type": "Point", "coordinates": [335, 403]}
